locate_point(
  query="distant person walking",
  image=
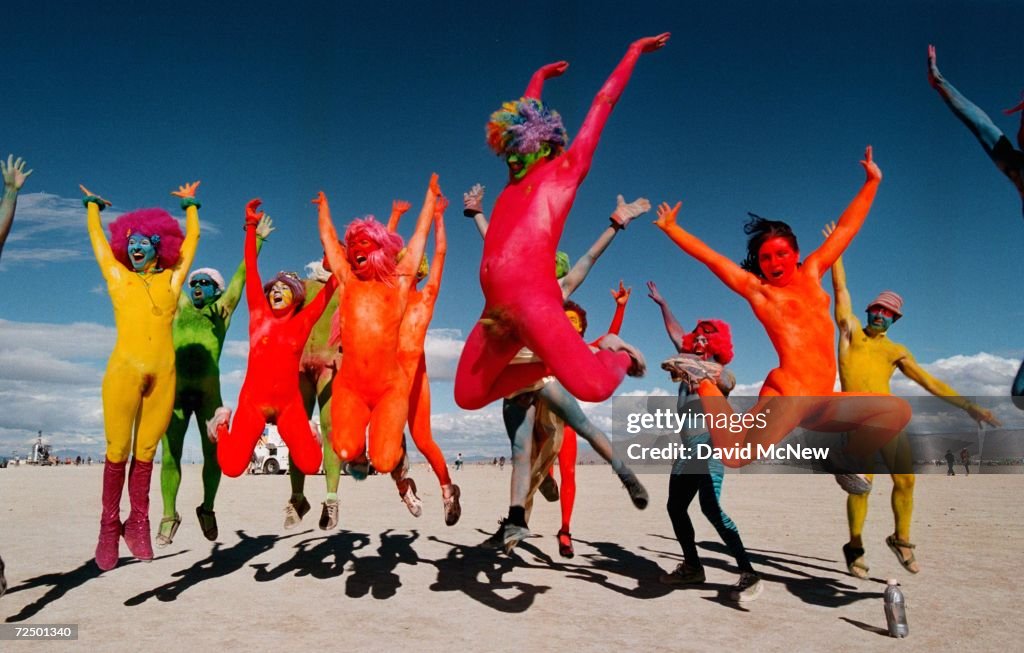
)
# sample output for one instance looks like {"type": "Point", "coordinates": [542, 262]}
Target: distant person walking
{"type": "Point", "coordinates": [965, 458]}
{"type": "Point", "coordinates": [458, 462]}
{"type": "Point", "coordinates": [949, 463]}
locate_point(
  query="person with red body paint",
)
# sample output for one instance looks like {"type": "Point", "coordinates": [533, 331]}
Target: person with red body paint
{"type": "Point", "coordinates": [279, 326]}
{"type": "Point", "coordinates": [787, 297]}
{"type": "Point", "coordinates": [523, 301]}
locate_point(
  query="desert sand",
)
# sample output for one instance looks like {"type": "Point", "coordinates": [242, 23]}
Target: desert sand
{"type": "Point", "coordinates": [386, 580]}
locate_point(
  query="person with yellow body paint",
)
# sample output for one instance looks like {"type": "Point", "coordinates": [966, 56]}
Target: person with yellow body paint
{"type": "Point", "coordinates": [144, 264]}
{"type": "Point", "coordinates": [867, 360]}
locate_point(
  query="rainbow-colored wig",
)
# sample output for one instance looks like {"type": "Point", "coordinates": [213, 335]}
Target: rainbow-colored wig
{"type": "Point", "coordinates": [157, 225]}
{"type": "Point", "coordinates": [522, 126]}
{"type": "Point", "coordinates": [719, 342]}
{"type": "Point", "coordinates": [382, 262]}
{"type": "Point", "coordinates": [290, 279]}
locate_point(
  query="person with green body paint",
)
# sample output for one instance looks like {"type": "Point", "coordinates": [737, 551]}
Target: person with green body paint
{"type": "Point", "coordinates": [200, 325]}
{"type": "Point", "coordinates": [320, 362]}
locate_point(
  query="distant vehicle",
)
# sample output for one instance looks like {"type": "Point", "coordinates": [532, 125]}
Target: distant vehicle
{"type": "Point", "coordinates": [270, 455]}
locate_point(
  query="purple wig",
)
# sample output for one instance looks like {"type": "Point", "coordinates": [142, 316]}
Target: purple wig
{"type": "Point", "coordinates": [157, 225]}
{"type": "Point", "coordinates": [523, 125]}
{"type": "Point", "coordinates": [382, 262]}
{"type": "Point", "coordinates": [293, 282]}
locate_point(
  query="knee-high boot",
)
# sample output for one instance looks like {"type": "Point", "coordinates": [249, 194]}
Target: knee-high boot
{"type": "Point", "coordinates": [107, 548]}
{"type": "Point", "coordinates": [136, 527]}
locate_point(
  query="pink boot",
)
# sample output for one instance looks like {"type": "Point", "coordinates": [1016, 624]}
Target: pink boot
{"type": "Point", "coordinates": [107, 548]}
{"type": "Point", "coordinates": [136, 527]}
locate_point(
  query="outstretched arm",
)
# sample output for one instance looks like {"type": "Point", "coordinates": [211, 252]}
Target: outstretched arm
{"type": "Point", "coordinates": [582, 150]}
{"type": "Point", "coordinates": [253, 285]}
{"type": "Point", "coordinates": [995, 143]}
{"type": "Point", "coordinates": [398, 209]}
{"type": "Point", "coordinates": [544, 73]}
{"type": "Point", "coordinates": [943, 391]}
{"type": "Point", "coordinates": [433, 285]}
{"type": "Point", "coordinates": [620, 218]}
{"type": "Point", "coordinates": [333, 251]}
{"type": "Point", "coordinates": [187, 193]}
{"type": "Point", "coordinates": [849, 222]}
{"type": "Point", "coordinates": [672, 326]}
{"type": "Point", "coordinates": [418, 242]}
{"type": "Point", "coordinates": [845, 319]}
{"type": "Point", "coordinates": [109, 266]}
{"type": "Point", "coordinates": [14, 178]}
{"type": "Point", "coordinates": [732, 275]}
{"type": "Point", "coordinates": [621, 296]}
{"type": "Point", "coordinates": [233, 293]}
{"type": "Point", "coordinates": [473, 207]}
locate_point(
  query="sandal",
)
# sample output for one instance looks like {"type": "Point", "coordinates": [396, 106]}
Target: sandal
{"type": "Point", "coordinates": [855, 562]}
{"type": "Point", "coordinates": [163, 540]}
{"type": "Point", "coordinates": [565, 544]}
{"type": "Point", "coordinates": [910, 562]}
{"type": "Point", "coordinates": [208, 522]}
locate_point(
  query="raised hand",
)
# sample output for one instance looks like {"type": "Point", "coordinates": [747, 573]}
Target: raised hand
{"type": "Point", "coordinates": [652, 43]}
{"type": "Point", "coordinates": [399, 207]}
{"type": "Point", "coordinates": [829, 227]}
{"type": "Point", "coordinates": [435, 186]}
{"type": "Point", "coordinates": [621, 294]}
{"type": "Point", "coordinates": [473, 201]}
{"type": "Point", "coordinates": [264, 226]}
{"type": "Point", "coordinates": [252, 213]}
{"type": "Point", "coordinates": [667, 215]}
{"type": "Point", "coordinates": [320, 199]}
{"type": "Point", "coordinates": [652, 292]}
{"type": "Point", "coordinates": [440, 205]}
{"type": "Point", "coordinates": [93, 197]}
{"type": "Point", "coordinates": [553, 69]}
{"type": "Point", "coordinates": [874, 172]}
{"type": "Point", "coordinates": [14, 173]}
{"type": "Point", "coordinates": [934, 76]}
{"type": "Point", "coordinates": [624, 213]}
{"type": "Point", "coordinates": [186, 190]}
{"type": "Point", "coordinates": [982, 415]}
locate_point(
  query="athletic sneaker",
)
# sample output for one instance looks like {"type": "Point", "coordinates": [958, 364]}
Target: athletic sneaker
{"type": "Point", "coordinates": [690, 369]}
{"type": "Point", "coordinates": [329, 515]}
{"type": "Point", "coordinates": [636, 490]}
{"type": "Point", "coordinates": [294, 512]}
{"type": "Point", "coordinates": [748, 588]}
{"type": "Point", "coordinates": [684, 575]}
{"type": "Point", "coordinates": [548, 488]}
{"type": "Point", "coordinates": [407, 490]}
{"type": "Point", "coordinates": [506, 537]}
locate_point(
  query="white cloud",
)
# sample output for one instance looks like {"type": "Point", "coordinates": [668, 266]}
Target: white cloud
{"type": "Point", "coordinates": [981, 374]}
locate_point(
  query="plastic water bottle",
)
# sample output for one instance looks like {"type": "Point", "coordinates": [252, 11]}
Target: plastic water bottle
{"type": "Point", "coordinates": [895, 610]}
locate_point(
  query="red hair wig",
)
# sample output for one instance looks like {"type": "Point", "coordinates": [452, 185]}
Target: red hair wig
{"type": "Point", "coordinates": [719, 340]}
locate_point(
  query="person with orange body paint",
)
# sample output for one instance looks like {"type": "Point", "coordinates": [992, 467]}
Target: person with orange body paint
{"type": "Point", "coordinates": [523, 302]}
{"type": "Point", "coordinates": [412, 336]}
{"type": "Point", "coordinates": [372, 389]}
{"type": "Point", "coordinates": [144, 263]}
{"type": "Point", "coordinates": [279, 326]}
{"type": "Point", "coordinates": [787, 297]}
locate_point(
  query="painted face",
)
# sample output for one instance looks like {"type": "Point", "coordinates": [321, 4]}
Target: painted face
{"type": "Point", "coordinates": [203, 290]}
{"type": "Point", "coordinates": [696, 342]}
{"type": "Point", "coordinates": [880, 318]}
{"type": "Point", "coordinates": [141, 252]}
{"type": "Point", "coordinates": [519, 165]}
{"type": "Point", "coordinates": [777, 260]}
{"type": "Point", "coordinates": [359, 255]}
{"type": "Point", "coordinates": [574, 319]}
{"type": "Point", "coordinates": [280, 298]}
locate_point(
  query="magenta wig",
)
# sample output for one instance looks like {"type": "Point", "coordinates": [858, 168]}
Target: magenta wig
{"type": "Point", "coordinates": [719, 342]}
{"type": "Point", "coordinates": [157, 225]}
{"type": "Point", "coordinates": [522, 126]}
{"type": "Point", "coordinates": [382, 262]}
{"type": "Point", "coordinates": [293, 282]}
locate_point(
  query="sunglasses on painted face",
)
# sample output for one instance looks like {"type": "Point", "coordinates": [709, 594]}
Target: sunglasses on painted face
{"type": "Point", "coordinates": [205, 283]}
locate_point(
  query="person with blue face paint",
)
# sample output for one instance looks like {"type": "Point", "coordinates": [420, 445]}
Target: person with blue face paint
{"type": "Point", "coordinates": [867, 360]}
{"type": "Point", "coordinates": [200, 326]}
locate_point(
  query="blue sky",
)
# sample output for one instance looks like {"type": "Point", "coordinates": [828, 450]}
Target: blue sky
{"type": "Point", "coordinates": [765, 108]}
